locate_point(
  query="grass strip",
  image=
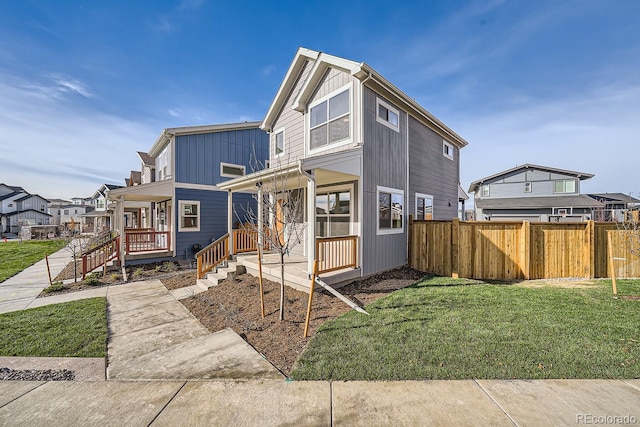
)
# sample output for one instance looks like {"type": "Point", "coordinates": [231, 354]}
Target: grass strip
{"type": "Point", "coordinates": [15, 256]}
{"type": "Point", "coordinates": [72, 329]}
{"type": "Point", "coordinates": [443, 328]}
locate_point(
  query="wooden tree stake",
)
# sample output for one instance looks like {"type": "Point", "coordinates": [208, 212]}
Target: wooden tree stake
{"type": "Point", "coordinates": [311, 286]}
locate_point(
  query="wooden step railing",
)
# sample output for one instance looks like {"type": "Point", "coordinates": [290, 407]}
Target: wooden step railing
{"type": "Point", "coordinates": [209, 257]}
{"type": "Point", "coordinates": [100, 255]}
{"type": "Point", "coordinates": [336, 253]}
{"type": "Point", "coordinates": [247, 240]}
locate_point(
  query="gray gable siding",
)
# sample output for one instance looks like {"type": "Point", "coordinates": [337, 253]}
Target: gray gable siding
{"type": "Point", "coordinates": [384, 164]}
{"type": "Point", "coordinates": [293, 123]}
{"type": "Point", "coordinates": [213, 217]}
{"type": "Point", "coordinates": [198, 157]}
{"type": "Point", "coordinates": [512, 185]}
{"type": "Point", "coordinates": [430, 172]}
{"type": "Point", "coordinates": [34, 202]}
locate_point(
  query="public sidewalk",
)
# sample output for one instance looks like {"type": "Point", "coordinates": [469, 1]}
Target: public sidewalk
{"type": "Point", "coordinates": [20, 291]}
{"type": "Point", "coordinates": [279, 402]}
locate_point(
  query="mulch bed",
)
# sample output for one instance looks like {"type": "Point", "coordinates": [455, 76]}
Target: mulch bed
{"type": "Point", "coordinates": [235, 304]}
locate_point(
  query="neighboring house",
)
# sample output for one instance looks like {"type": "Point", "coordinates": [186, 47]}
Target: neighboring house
{"type": "Point", "coordinates": [19, 208]}
{"type": "Point", "coordinates": [363, 154]}
{"type": "Point", "coordinates": [101, 215]}
{"type": "Point", "coordinates": [183, 203]}
{"type": "Point", "coordinates": [616, 206]}
{"type": "Point", "coordinates": [533, 193]}
{"type": "Point", "coordinates": [55, 210]}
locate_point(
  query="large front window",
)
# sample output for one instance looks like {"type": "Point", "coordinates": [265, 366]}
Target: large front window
{"type": "Point", "coordinates": [329, 120]}
{"type": "Point", "coordinates": [390, 210]}
{"type": "Point", "coordinates": [333, 214]}
{"type": "Point", "coordinates": [189, 216]}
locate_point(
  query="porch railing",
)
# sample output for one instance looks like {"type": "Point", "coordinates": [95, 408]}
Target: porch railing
{"type": "Point", "coordinates": [211, 256]}
{"type": "Point", "coordinates": [146, 241]}
{"type": "Point", "coordinates": [336, 253]}
{"type": "Point", "coordinates": [247, 240]}
{"type": "Point", "coordinates": [101, 254]}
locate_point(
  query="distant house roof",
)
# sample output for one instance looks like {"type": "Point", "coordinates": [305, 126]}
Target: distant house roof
{"type": "Point", "coordinates": [10, 195]}
{"type": "Point", "coordinates": [127, 182]}
{"type": "Point", "coordinates": [461, 194]}
{"type": "Point", "coordinates": [27, 210]}
{"type": "Point", "coordinates": [473, 188]}
{"type": "Point", "coordinates": [58, 202]}
{"type": "Point", "coordinates": [614, 197]}
{"type": "Point", "coordinates": [103, 188]}
{"type": "Point", "coordinates": [135, 178]}
{"type": "Point", "coordinates": [575, 201]}
{"type": "Point", "coordinates": [146, 159]}
{"type": "Point", "coordinates": [13, 187]}
{"type": "Point", "coordinates": [29, 196]}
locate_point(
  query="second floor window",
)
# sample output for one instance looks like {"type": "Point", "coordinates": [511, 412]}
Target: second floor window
{"type": "Point", "coordinates": [565, 186]}
{"type": "Point", "coordinates": [329, 120]}
{"type": "Point", "coordinates": [279, 143]}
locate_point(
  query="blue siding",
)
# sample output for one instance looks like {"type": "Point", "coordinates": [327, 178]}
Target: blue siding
{"type": "Point", "coordinates": [198, 156]}
{"type": "Point", "coordinates": [213, 217]}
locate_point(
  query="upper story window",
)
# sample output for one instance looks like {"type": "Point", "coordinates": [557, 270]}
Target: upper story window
{"type": "Point", "coordinates": [485, 191]}
{"type": "Point", "coordinates": [279, 143]}
{"type": "Point", "coordinates": [329, 120]}
{"type": "Point", "coordinates": [100, 204]}
{"type": "Point", "coordinates": [527, 187]}
{"type": "Point", "coordinates": [447, 150]}
{"type": "Point", "coordinates": [565, 186]}
{"type": "Point", "coordinates": [387, 115]}
{"type": "Point", "coordinates": [66, 211]}
{"type": "Point", "coordinates": [390, 210]}
{"type": "Point", "coordinates": [230, 170]}
{"type": "Point", "coordinates": [164, 164]}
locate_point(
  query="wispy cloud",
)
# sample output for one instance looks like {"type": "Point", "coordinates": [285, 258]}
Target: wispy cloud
{"type": "Point", "coordinates": [174, 112]}
{"type": "Point", "coordinates": [268, 70]}
{"type": "Point", "coordinates": [190, 4]}
{"type": "Point", "coordinates": [55, 87]}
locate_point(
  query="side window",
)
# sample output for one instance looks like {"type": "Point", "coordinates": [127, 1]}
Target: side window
{"type": "Point", "coordinates": [390, 210]}
{"type": "Point", "coordinates": [189, 212]}
{"type": "Point", "coordinates": [447, 150]}
{"type": "Point", "coordinates": [424, 207]}
{"type": "Point", "coordinates": [278, 143]}
{"type": "Point", "coordinates": [485, 191]}
{"type": "Point", "coordinates": [387, 115]}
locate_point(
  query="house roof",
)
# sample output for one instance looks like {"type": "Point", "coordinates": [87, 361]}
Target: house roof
{"type": "Point", "coordinates": [13, 187]}
{"type": "Point", "coordinates": [136, 178]}
{"type": "Point", "coordinates": [359, 70]}
{"type": "Point", "coordinates": [104, 188]}
{"type": "Point", "coordinates": [27, 210]}
{"type": "Point", "coordinates": [146, 159]}
{"type": "Point", "coordinates": [473, 188]}
{"type": "Point", "coordinates": [10, 195]}
{"type": "Point", "coordinates": [461, 194]}
{"type": "Point", "coordinates": [127, 182]}
{"type": "Point", "coordinates": [166, 134]}
{"type": "Point", "coordinates": [29, 196]}
{"type": "Point", "coordinates": [614, 197]}
{"type": "Point", "coordinates": [576, 201]}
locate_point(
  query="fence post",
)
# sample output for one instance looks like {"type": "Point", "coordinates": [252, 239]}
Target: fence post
{"type": "Point", "coordinates": [525, 250]}
{"type": "Point", "coordinates": [455, 252]}
{"type": "Point", "coordinates": [410, 243]}
{"type": "Point", "coordinates": [591, 247]}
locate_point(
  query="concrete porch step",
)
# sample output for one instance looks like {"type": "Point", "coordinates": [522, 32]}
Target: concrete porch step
{"type": "Point", "coordinates": [221, 273]}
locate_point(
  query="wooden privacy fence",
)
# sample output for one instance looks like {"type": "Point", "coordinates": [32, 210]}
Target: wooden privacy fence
{"type": "Point", "coordinates": [519, 250]}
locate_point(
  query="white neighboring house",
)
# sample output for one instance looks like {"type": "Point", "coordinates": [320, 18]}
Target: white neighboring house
{"type": "Point", "coordinates": [18, 208]}
{"type": "Point", "coordinates": [101, 216]}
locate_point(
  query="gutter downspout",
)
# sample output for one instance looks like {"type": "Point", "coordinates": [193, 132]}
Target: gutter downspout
{"type": "Point", "coordinates": [311, 217]}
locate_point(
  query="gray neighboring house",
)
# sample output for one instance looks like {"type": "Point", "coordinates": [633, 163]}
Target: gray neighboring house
{"type": "Point", "coordinates": [363, 154]}
{"type": "Point", "coordinates": [533, 193]}
{"type": "Point", "coordinates": [616, 205]}
{"type": "Point", "coordinates": [19, 208]}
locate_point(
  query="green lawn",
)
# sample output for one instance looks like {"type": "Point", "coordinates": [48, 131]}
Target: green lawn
{"type": "Point", "coordinates": [16, 256]}
{"type": "Point", "coordinates": [73, 329]}
{"type": "Point", "coordinates": [443, 328]}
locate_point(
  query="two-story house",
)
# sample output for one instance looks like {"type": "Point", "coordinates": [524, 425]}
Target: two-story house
{"type": "Point", "coordinates": [533, 193]}
{"type": "Point", "coordinates": [180, 183]}
{"type": "Point", "coordinates": [363, 154]}
{"type": "Point", "coordinates": [99, 219]}
{"type": "Point", "coordinates": [19, 208]}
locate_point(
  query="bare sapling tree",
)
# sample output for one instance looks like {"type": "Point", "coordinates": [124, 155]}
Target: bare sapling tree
{"type": "Point", "coordinates": [77, 245]}
{"type": "Point", "coordinates": [279, 207]}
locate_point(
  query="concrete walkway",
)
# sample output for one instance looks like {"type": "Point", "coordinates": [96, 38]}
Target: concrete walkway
{"type": "Point", "coordinates": [20, 291]}
{"type": "Point", "coordinates": [273, 403]}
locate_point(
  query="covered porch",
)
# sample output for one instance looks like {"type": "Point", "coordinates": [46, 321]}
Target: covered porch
{"type": "Point", "coordinates": [328, 190]}
{"type": "Point", "coordinates": [142, 215]}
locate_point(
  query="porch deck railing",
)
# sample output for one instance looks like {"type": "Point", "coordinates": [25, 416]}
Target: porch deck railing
{"type": "Point", "coordinates": [101, 254]}
{"type": "Point", "coordinates": [146, 240]}
{"type": "Point", "coordinates": [211, 256]}
{"type": "Point", "coordinates": [247, 240]}
{"type": "Point", "coordinates": [336, 253]}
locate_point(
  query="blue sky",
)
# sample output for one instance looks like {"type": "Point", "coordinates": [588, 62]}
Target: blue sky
{"type": "Point", "coordinates": [86, 84]}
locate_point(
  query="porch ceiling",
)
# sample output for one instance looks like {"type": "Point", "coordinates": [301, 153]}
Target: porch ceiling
{"type": "Point", "coordinates": [151, 192]}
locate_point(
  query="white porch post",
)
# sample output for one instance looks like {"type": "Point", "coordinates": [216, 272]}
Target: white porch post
{"type": "Point", "coordinates": [260, 220]}
{"type": "Point", "coordinates": [230, 221]}
{"type": "Point", "coordinates": [121, 229]}
{"type": "Point", "coordinates": [311, 223]}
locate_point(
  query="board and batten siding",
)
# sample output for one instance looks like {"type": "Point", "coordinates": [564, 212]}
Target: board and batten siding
{"type": "Point", "coordinates": [213, 217]}
{"type": "Point", "coordinates": [542, 185]}
{"type": "Point", "coordinates": [384, 164]}
{"type": "Point", "coordinates": [430, 172]}
{"type": "Point", "coordinates": [293, 123]}
{"type": "Point", "coordinates": [198, 156]}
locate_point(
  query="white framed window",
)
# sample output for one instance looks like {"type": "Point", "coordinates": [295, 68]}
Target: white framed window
{"type": "Point", "coordinates": [564, 186]}
{"type": "Point", "coordinates": [188, 215]}
{"type": "Point", "coordinates": [164, 164]}
{"type": "Point", "coordinates": [562, 211]}
{"type": "Point", "coordinates": [485, 191]}
{"type": "Point", "coordinates": [100, 204]}
{"type": "Point", "coordinates": [231, 170]}
{"type": "Point", "coordinates": [447, 150]}
{"type": "Point", "coordinates": [330, 120]}
{"type": "Point", "coordinates": [424, 207]}
{"type": "Point", "coordinates": [527, 187]}
{"type": "Point", "coordinates": [333, 212]}
{"type": "Point", "coordinates": [278, 143]}
{"type": "Point", "coordinates": [387, 115]}
{"type": "Point", "coordinates": [390, 210]}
